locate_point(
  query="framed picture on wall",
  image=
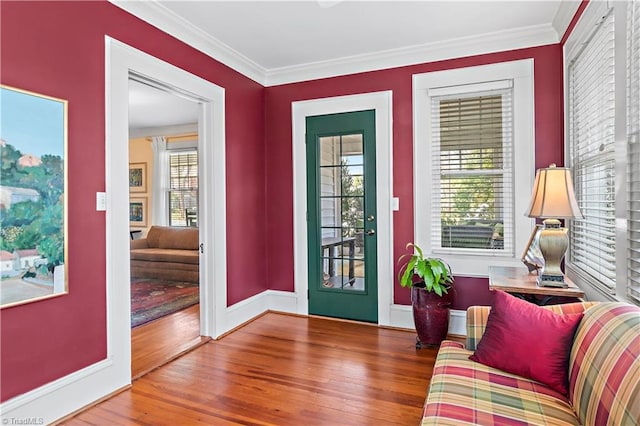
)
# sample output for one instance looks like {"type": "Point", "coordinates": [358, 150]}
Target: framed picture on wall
{"type": "Point", "coordinates": [33, 195]}
{"type": "Point", "coordinates": [138, 212]}
{"type": "Point", "coordinates": [532, 256]}
{"type": "Point", "coordinates": [138, 177]}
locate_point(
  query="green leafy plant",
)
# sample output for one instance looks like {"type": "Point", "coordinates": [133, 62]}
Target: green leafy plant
{"type": "Point", "coordinates": [434, 273]}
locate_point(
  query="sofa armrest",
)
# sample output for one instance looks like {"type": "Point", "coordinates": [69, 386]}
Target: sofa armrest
{"type": "Point", "coordinates": [476, 323]}
{"type": "Point", "coordinates": [139, 244]}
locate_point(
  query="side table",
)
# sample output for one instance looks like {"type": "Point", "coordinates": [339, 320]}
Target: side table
{"type": "Point", "coordinates": [519, 282]}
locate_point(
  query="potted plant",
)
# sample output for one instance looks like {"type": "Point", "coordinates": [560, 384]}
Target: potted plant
{"type": "Point", "coordinates": [430, 280]}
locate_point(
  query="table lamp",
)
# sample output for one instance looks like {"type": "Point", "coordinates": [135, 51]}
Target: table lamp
{"type": "Point", "coordinates": [552, 199]}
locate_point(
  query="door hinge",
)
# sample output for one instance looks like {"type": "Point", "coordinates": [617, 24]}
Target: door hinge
{"type": "Point", "coordinates": [307, 294]}
{"type": "Point", "coordinates": [201, 247]}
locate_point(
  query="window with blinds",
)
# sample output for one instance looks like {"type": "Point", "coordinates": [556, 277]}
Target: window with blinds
{"type": "Point", "coordinates": [183, 188]}
{"type": "Point", "coordinates": [592, 150]}
{"type": "Point", "coordinates": [633, 148]}
{"type": "Point", "coordinates": [472, 127]}
{"type": "Point", "coordinates": [472, 169]}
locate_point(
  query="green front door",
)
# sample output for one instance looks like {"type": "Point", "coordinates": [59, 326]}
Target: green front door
{"type": "Point", "coordinates": [341, 205]}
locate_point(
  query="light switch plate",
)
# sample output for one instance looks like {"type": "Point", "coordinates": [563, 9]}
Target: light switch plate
{"type": "Point", "coordinates": [101, 201]}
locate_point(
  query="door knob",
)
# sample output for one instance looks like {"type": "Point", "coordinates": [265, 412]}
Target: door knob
{"type": "Point", "coordinates": [371, 218]}
{"type": "Point", "coordinates": [371, 232]}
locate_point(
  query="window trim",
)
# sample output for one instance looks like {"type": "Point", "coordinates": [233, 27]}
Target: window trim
{"type": "Point", "coordinates": [521, 72]}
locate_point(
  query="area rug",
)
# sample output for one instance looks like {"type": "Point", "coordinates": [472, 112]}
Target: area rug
{"type": "Point", "coordinates": [153, 298]}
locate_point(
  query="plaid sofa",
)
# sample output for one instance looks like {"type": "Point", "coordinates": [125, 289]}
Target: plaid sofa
{"type": "Point", "coordinates": [604, 377]}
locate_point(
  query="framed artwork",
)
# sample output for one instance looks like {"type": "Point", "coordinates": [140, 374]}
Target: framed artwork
{"type": "Point", "coordinates": [33, 197]}
{"type": "Point", "coordinates": [532, 256]}
{"type": "Point", "coordinates": [138, 212]}
{"type": "Point", "coordinates": [138, 177]}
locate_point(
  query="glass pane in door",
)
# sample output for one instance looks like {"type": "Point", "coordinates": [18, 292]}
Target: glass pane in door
{"type": "Point", "coordinates": [342, 220]}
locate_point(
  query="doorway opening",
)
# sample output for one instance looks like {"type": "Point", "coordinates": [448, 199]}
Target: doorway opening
{"type": "Point", "coordinates": [163, 215]}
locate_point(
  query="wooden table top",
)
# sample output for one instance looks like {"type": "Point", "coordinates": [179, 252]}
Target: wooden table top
{"type": "Point", "coordinates": [519, 280]}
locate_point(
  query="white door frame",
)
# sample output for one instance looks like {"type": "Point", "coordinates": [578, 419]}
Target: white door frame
{"type": "Point", "coordinates": [122, 60]}
{"type": "Point", "coordinates": [381, 102]}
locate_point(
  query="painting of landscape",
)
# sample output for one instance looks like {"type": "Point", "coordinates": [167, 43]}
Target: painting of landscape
{"type": "Point", "coordinates": [33, 140]}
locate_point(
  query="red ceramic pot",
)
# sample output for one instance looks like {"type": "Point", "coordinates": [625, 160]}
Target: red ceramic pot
{"type": "Point", "coordinates": [430, 316]}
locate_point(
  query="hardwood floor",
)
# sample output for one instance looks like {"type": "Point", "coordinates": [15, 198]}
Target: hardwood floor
{"type": "Point", "coordinates": [282, 370]}
{"type": "Point", "coordinates": [160, 341]}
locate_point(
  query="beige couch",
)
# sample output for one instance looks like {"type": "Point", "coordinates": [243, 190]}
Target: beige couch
{"type": "Point", "coordinates": [166, 253]}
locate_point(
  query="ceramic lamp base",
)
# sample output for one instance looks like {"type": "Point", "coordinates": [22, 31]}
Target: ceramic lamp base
{"type": "Point", "coordinates": [553, 245]}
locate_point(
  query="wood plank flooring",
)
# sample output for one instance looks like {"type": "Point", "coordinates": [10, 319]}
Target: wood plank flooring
{"type": "Point", "coordinates": [282, 370]}
{"type": "Point", "coordinates": [160, 341]}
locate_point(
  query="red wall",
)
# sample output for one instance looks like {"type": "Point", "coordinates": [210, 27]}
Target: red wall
{"type": "Point", "coordinates": [57, 49]}
{"type": "Point", "coordinates": [549, 142]}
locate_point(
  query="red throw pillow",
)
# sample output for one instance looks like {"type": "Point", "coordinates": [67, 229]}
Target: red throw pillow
{"type": "Point", "coordinates": [528, 340]}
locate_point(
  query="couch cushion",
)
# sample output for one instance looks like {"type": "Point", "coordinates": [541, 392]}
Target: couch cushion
{"type": "Point", "coordinates": [537, 341]}
{"type": "Point", "coordinates": [173, 238]}
{"type": "Point", "coordinates": [166, 255]}
{"type": "Point", "coordinates": [153, 236]}
{"type": "Point", "coordinates": [466, 392]}
{"type": "Point", "coordinates": [604, 374]}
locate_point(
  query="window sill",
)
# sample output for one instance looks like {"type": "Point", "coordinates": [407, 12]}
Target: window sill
{"type": "Point", "coordinates": [474, 265]}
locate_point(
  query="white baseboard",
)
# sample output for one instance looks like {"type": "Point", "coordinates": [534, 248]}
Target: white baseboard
{"type": "Point", "coordinates": [64, 396]}
{"type": "Point", "coordinates": [458, 322]}
{"type": "Point", "coordinates": [282, 301]}
{"type": "Point", "coordinates": [243, 311]}
{"type": "Point", "coordinates": [402, 317]}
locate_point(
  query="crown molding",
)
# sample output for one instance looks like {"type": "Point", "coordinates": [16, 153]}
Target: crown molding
{"type": "Point", "coordinates": [564, 15]}
{"type": "Point", "coordinates": [538, 35]}
{"type": "Point", "coordinates": [154, 13]}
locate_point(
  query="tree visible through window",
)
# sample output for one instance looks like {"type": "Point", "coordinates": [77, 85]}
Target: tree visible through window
{"type": "Point", "coordinates": [352, 201]}
{"type": "Point", "coordinates": [183, 188]}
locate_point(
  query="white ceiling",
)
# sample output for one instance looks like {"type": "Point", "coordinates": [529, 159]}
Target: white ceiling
{"type": "Point", "coordinates": [277, 42]}
{"type": "Point", "coordinates": [152, 110]}
{"type": "Point", "coordinates": [150, 107]}
{"type": "Point", "coordinates": [278, 34]}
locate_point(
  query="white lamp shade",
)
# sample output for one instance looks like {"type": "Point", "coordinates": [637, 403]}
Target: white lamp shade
{"type": "Point", "coordinates": [553, 195]}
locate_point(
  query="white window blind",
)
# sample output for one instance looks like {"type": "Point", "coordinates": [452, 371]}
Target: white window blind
{"type": "Point", "coordinates": [183, 188]}
{"type": "Point", "coordinates": [472, 155]}
{"type": "Point", "coordinates": [633, 148]}
{"type": "Point", "coordinates": [592, 149]}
